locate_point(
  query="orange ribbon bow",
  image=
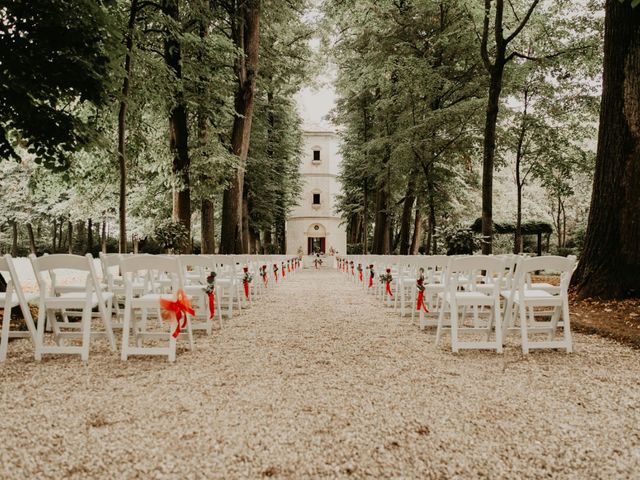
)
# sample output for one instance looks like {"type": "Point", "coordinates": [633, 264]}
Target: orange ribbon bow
{"type": "Point", "coordinates": [179, 308]}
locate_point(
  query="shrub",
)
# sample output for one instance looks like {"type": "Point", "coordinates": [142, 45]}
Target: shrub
{"type": "Point", "coordinates": [459, 240]}
{"type": "Point", "coordinates": [172, 235]}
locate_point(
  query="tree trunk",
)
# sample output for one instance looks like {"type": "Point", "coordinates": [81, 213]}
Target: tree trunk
{"type": "Point", "coordinates": [32, 239]}
{"type": "Point", "coordinates": [53, 236]}
{"type": "Point", "coordinates": [489, 150]}
{"type": "Point", "coordinates": [407, 210]}
{"type": "Point", "coordinates": [417, 232]}
{"type": "Point", "coordinates": [267, 240]}
{"type": "Point", "coordinates": [246, 240]}
{"type": "Point", "coordinates": [365, 220]}
{"type": "Point", "coordinates": [207, 211]}
{"type": "Point", "coordinates": [60, 234]}
{"type": "Point", "coordinates": [122, 125]}
{"type": "Point", "coordinates": [178, 127]}
{"type": "Point", "coordinates": [245, 33]}
{"type": "Point", "coordinates": [14, 238]}
{"type": "Point", "coordinates": [89, 236]}
{"type": "Point", "coordinates": [70, 235]}
{"type": "Point", "coordinates": [517, 243]}
{"type": "Point", "coordinates": [610, 263]}
{"type": "Point", "coordinates": [104, 238]}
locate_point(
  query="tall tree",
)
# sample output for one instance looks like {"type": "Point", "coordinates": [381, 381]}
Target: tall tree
{"type": "Point", "coordinates": [245, 31]}
{"type": "Point", "coordinates": [495, 67]}
{"type": "Point", "coordinates": [610, 264]}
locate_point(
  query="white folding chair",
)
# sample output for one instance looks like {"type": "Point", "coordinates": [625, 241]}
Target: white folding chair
{"type": "Point", "coordinates": [524, 296]}
{"type": "Point", "coordinates": [196, 269]}
{"type": "Point", "coordinates": [151, 268]}
{"type": "Point", "coordinates": [14, 296]}
{"type": "Point", "coordinates": [461, 294]}
{"type": "Point", "coordinates": [73, 302]}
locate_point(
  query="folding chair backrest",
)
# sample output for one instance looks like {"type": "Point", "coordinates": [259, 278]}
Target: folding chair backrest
{"type": "Point", "coordinates": [551, 263]}
{"type": "Point", "coordinates": [149, 269]}
{"type": "Point", "coordinates": [62, 263]}
{"type": "Point", "coordinates": [8, 270]}
{"type": "Point", "coordinates": [199, 264]}
{"type": "Point", "coordinates": [470, 271]}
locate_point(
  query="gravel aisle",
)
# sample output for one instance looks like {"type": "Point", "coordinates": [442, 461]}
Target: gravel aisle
{"type": "Point", "coordinates": [318, 381]}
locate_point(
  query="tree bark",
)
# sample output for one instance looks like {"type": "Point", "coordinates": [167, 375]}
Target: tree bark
{"type": "Point", "coordinates": [122, 128]}
{"type": "Point", "coordinates": [70, 235]}
{"type": "Point", "coordinates": [496, 73]}
{"type": "Point", "coordinates": [246, 34]}
{"type": "Point", "coordinates": [407, 210]}
{"type": "Point", "coordinates": [53, 236]}
{"type": "Point", "coordinates": [246, 240]}
{"type": "Point", "coordinates": [32, 239]}
{"type": "Point", "coordinates": [610, 263]}
{"type": "Point", "coordinates": [417, 231]}
{"type": "Point", "coordinates": [207, 211]}
{"type": "Point", "coordinates": [178, 127]}
{"type": "Point", "coordinates": [104, 237]}
{"type": "Point", "coordinates": [89, 236]}
{"type": "Point", "coordinates": [14, 238]}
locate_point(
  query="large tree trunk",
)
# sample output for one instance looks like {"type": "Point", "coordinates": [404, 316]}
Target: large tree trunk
{"type": "Point", "coordinates": [610, 263]}
{"type": "Point", "coordinates": [246, 241]}
{"type": "Point", "coordinates": [207, 211]}
{"type": "Point", "coordinates": [407, 210]}
{"type": "Point", "coordinates": [489, 150]}
{"type": "Point", "coordinates": [32, 239]}
{"type": "Point", "coordinates": [267, 240]}
{"type": "Point", "coordinates": [417, 231]}
{"type": "Point", "coordinates": [14, 238]}
{"type": "Point", "coordinates": [246, 34]}
{"type": "Point", "coordinates": [53, 236]}
{"type": "Point", "coordinates": [104, 238]}
{"type": "Point", "coordinates": [365, 220]}
{"type": "Point", "coordinates": [178, 127]}
{"type": "Point", "coordinates": [89, 236]}
{"type": "Point", "coordinates": [517, 241]}
{"type": "Point", "coordinates": [122, 127]}
{"type": "Point", "coordinates": [70, 235]}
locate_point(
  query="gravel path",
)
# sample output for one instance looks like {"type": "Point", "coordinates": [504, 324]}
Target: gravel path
{"type": "Point", "coordinates": [318, 381]}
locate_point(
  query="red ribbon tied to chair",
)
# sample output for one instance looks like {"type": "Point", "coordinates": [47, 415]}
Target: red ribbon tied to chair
{"type": "Point", "coordinates": [283, 271]}
{"type": "Point", "coordinates": [420, 285]}
{"type": "Point", "coordinates": [388, 282]}
{"type": "Point", "coordinates": [371, 274]}
{"type": "Point", "coordinates": [179, 307]}
{"type": "Point", "coordinates": [245, 281]}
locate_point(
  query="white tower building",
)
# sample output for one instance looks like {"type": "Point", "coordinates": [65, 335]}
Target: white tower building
{"type": "Point", "coordinates": [313, 225]}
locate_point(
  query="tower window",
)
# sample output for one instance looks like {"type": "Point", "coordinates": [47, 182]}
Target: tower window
{"type": "Point", "coordinates": [316, 199]}
{"type": "Point", "coordinates": [316, 155]}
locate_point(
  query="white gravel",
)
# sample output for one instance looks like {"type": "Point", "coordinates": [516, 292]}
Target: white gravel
{"type": "Point", "coordinates": [318, 380]}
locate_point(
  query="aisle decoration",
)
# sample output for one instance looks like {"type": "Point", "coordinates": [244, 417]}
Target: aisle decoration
{"type": "Point", "coordinates": [246, 280]}
{"type": "Point", "coordinates": [210, 290]}
{"type": "Point", "coordinates": [283, 271]}
{"type": "Point", "coordinates": [263, 274]}
{"type": "Point", "coordinates": [360, 271]}
{"type": "Point", "coordinates": [275, 271]}
{"type": "Point", "coordinates": [372, 274]}
{"type": "Point", "coordinates": [288, 266]}
{"type": "Point", "coordinates": [317, 261]}
{"type": "Point", "coordinates": [352, 271]}
{"type": "Point", "coordinates": [387, 278]}
{"type": "Point", "coordinates": [420, 286]}
{"type": "Point", "coordinates": [179, 307]}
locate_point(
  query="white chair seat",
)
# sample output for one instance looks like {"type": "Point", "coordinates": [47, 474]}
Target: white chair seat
{"type": "Point", "coordinates": [74, 300]}
{"type": "Point", "coordinates": [151, 300]}
{"type": "Point", "coordinates": [14, 302]}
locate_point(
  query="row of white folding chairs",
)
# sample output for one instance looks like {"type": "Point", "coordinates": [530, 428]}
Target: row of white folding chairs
{"type": "Point", "coordinates": [143, 280]}
{"type": "Point", "coordinates": [481, 284]}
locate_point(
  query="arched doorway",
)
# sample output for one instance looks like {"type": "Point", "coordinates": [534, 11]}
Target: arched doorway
{"type": "Point", "coordinates": [316, 239]}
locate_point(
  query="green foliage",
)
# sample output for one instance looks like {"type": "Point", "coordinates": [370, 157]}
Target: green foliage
{"type": "Point", "coordinates": [56, 59]}
{"type": "Point", "coordinates": [459, 240]}
{"type": "Point", "coordinates": [172, 235]}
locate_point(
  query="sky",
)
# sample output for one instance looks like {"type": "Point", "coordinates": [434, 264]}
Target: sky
{"type": "Point", "coordinates": [314, 104]}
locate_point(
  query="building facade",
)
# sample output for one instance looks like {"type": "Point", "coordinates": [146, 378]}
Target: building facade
{"type": "Point", "coordinates": [313, 226]}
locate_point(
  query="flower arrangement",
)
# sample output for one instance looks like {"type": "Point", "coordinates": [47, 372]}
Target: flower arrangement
{"type": "Point", "coordinates": [211, 283]}
{"type": "Point", "coordinates": [372, 274]}
{"type": "Point", "coordinates": [421, 288]}
{"type": "Point", "coordinates": [386, 277]}
{"type": "Point", "coordinates": [360, 271]}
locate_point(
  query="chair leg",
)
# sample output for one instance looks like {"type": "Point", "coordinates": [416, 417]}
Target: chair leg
{"type": "Point", "coordinates": [523, 327]}
{"type": "Point", "coordinates": [106, 313]}
{"type": "Point", "coordinates": [126, 328]}
{"type": "Point", "coordinates": [40, 332]}
{"type": "Point", "coordinates": [454, 326]}
{"type": "Point", "coordinates": [6, 319]}
{"type": "Point", "coordinates": [567, 325]}
{"type": "Point", "coordinates": [86, 333]}
{"type": "Point", "coordinates": [440, 321]}
{"type": "Point", "coordinates": [498, 326]}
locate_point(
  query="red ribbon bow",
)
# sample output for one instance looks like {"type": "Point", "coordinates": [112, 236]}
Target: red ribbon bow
{"type": "Point", "coordinates": [420, 304]}
{"type": "Point", "coordinates": [388, 288]}
{"type": "Point", "coordinates": [245, 283]}
{"type": "Point", "coordinates": [212, 305]}
{"type": "Point", "coordinates": [179, 308]}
